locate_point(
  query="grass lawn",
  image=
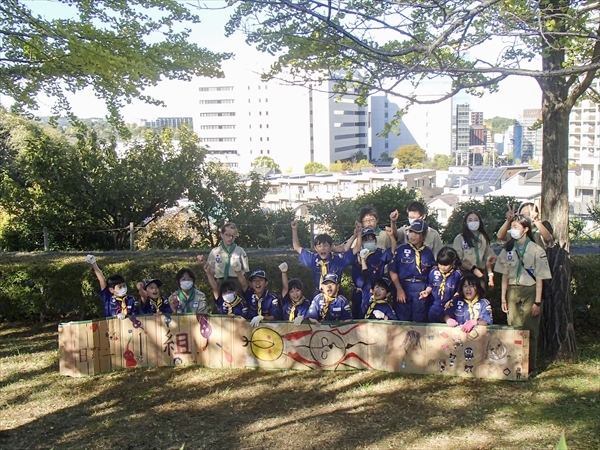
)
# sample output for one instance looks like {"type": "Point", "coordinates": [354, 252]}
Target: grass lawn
{"type": "Point", "coordinates": [163, 408]}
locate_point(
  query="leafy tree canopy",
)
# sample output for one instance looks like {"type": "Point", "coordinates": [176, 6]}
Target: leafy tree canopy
{"type": "Point", "coordinates": [266, 163]}
{"type": "Point", "coordinates": [116, 48]}
{"type": "Point", "coordinates": [78, 189]}
{"type": "Point", "coordinates": [410, 156]}
{"type": "Point", "coordinates": [498, 124]}
{"type": "Point", "coordinates": [314, 167]}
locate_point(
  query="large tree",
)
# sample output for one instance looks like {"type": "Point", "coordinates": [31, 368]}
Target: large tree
{"type": "Point", "coordinates": [473, 44]}
{"type": "Point", "coordinates": [81, 192]}
{"type": "Point", "coordinates": [116, 47]}
{"type": "Point", "coordinates": [410, 156]}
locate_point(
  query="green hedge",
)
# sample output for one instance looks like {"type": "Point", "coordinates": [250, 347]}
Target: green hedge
{"type": "Point", "coordinates": [60, 286]}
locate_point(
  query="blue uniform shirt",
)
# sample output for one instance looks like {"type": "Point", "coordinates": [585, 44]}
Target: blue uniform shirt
{"type": "Point", "coordinates": [461, 310]}
{"type": "Point", "coordinates": [335, 263]}
{"type": "Point", "coordinates": [376, 263]}
{"type": "Point", "coordinates": [287, 305]}
{"type": "Point", "coordinates": [404, 263]}
{"type": "Point", "coordinates": [151, 307]}
{"type": "Point", "coordinates": [338, 309]}
{"type": "Point", "coordinates": [450, 288]}
{"type": "Point", "coordinates": [238, 307]}
{"type": "Point", "coordinates": [112, 306]}
{"type": "Point", "coordinates": [268, 304]}
{"type": "Point", "coordinates": [380, 305]}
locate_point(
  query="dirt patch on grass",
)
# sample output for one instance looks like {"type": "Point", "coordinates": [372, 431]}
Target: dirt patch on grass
{"type": "Point", "coordinates": [163, 408]}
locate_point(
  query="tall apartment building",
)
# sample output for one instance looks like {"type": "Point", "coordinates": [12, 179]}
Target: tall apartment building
{"type": "Point", "coordinates": [244, 118]}
{"type": "Point", "coordinates": [532, 139]}
{"type": "Point", "coordinates": [381, 112]}
{"type": "Point", "coordinates": [584, 129]}
{"type": "Point", "coordinates": [461, 131]}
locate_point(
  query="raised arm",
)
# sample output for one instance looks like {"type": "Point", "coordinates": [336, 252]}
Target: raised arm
{"type": "Point", "coordinates": [391, 232]}
{"type": "Point", "coordinates": [210, 277]}
{"type": "Point", "coordinates": [502, 233]}
{"type": "Point", "coordinates": [393, 219]}
{"type": "Point", "coordinates": [295, 240]}
{"type": "Point", "coordinates": [284, 279]}
{"type": "Point", "coordinates": [142, 292]}
{"type": "Point", "coordinates": [91, 259]}
{"type": "Point", "coordinates": [358, 237]}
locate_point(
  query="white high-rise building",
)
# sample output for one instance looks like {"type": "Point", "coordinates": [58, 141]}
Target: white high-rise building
{"type": "Point", "coordinates": [584, 129]}
{"type": "Point", "coordinates": [243, 118]}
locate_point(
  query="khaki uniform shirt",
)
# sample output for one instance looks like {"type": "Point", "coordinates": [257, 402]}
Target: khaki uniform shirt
{"type": "Point", "coordinates": [467, 254]}
{"type": "Point", "coordinates": [218, 256]}
{"type": "Point", "coordinates": [534, 260]}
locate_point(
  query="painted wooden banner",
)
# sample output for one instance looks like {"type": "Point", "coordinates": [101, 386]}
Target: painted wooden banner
{"type": "Point", "coordinates": [100, 346]}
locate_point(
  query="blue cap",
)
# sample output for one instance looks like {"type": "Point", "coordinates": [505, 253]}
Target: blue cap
{"type": "Point", "coordinates": [331, 277]}
{"type": "Point", "coordinates": [367, 231]}
{"type": "Point", "coordinates": [152, 280]}
{"type": "Point", "coordinates": [385, 281]}
{"type": "Point", "coordinates": [419, 226]}
{"type": "Point", "coordinates": [258, 273]}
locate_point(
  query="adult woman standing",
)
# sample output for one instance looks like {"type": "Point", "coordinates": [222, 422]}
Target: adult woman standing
{"type": "Point", "coordinates": [524, 266]}
{"type": "Point", "coordinates": [473, 247]}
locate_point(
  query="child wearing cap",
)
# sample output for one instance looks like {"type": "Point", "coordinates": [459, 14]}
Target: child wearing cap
{"type": "Point", "coordinates": [113, 293]}
{"type": "Point", "coordinates": [329, 304]}
{"type": "Point", "coordinates": [262, 304]}
{"type": "Point", "coordinates": [416, 210]}
{"type": "Point", "coordinates": [409, 271]}
{"type": "Point", "coordinates": [188, 298]}
{"type": "Point", "coordinates": [370, 264]}
{"type": "Point", "coordinates": [150, 300]}
{"type": "Point", "coordinates": [294, 305]}
{"type": "Point", "coordinates": [443, 283]}
{"type": "Point", "coordinates": [227, 299]}
{"type": "Point", "coordinates": [377, 306]}
{"type": "Point", "coordinates": [323, 261]}
{"type": "Point", "coordinates": [469, 308]}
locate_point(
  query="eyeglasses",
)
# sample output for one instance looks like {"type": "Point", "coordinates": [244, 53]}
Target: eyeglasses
{"type": "Point", "coordinates": [232, 236]}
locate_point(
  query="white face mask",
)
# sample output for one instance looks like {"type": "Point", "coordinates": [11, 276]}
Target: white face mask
{"type": "Point", "coordinates": [515, 234]}
{"type": "Point", "coordinates": [121, 292]}
{"type": "Point", "coordinates": [229, 297]}
{"type": "Point", "coordinates": [411, 221]}
{"type": "Point", "coordinates": [370, 246]}
{"type": "Point", "coordinates": [186, 285]}
{"type": "Point", "coordinates": [473, 226]}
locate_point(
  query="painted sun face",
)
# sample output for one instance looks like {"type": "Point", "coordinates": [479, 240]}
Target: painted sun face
{"type": "Point", "coordinates": [266, 344]}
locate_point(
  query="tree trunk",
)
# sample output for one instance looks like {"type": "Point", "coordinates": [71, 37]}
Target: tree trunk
{"type": "Point", "coordinates": [557, 336]}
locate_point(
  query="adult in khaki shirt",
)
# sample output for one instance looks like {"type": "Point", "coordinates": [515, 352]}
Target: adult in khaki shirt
{"type": "Point", "coordinates": [473, 247]}
{"type": "Point", "coordinates": [524, 266]}
{"type": "Point", "coordinates": [416, 210]}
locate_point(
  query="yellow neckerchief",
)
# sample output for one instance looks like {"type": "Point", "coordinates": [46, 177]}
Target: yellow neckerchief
{"type": "Point", "coordinates": [373, 303]}
{"type": "Point", "coordinates": [236, 301]}
{"type": "Point", "coordinates": [442, 288]}
{"type": "Point", "coordinates": [123, 301]}
{"type": "Point", "coordinates": [473, 314]}
{"type": "Point", "coordinates": [328, 301]}
{"type": "Point", "coordinates": [294, 305]}
{"type": "Point", "coordinates": [156, 303]}
{"type": "Point", "coordinates": [521, 254]}
{"type": "Point", "coordinates": [324, 268]}
{"type": "Point", "coordinates": [417, 255]}
{"type": "Point", "coordinates": [259, 301]}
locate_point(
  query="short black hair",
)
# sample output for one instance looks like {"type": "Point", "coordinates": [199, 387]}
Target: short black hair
{"type": "Point", "coordinates": [323, 239]}
{"type": "Point", "coordinates": [183, 271]}
{"type": "Point", "coordinates": [227, 286]}
{"type": "Point", "coordinates": [115, 280]}
{"type": "Point", "coordinates": [447, 256]}
{"type": "Point", "coordinates": [295, 283]}
{"type": "Point", "coordinates": [416, 207]}
{"type": "Point", "coordinates": [473, 280]}
{"type": "Point", "coordinates": [367, 211]}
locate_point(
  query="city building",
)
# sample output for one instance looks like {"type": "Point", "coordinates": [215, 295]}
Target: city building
{"type": "Point", "coordinates": [167, 122]}
{"type": "Point", "coordinates": [381, 112]}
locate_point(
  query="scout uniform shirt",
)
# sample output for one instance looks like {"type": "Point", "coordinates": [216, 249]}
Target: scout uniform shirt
{"type": "Point", "coordinates": [217, 260]}
{"type": "Point", "coordinates": [462, 310]}
{"type": "Point", "coordinates": [114, 306]}
{"type": "Point", "coordinates": [432, 240]}
{"type": "Point", "coordinates": [321, 267]}
{"type": "Point", "coordinates": [534, 260]}
{"type": "Point", "coordinates": [474, 256]}
{"type": "Point", "coordinates": [336, 308]}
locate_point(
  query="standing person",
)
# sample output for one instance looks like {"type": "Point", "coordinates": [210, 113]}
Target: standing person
{"type": "Point", "coordinates": [329, 304]}
{"type": "Point", "coordinates": [524, 266]}
{"type": "Point", "coordinates": [542, 233]}
{"type": "Point", "coordinates": [469, 308]}
{"type": "Point", "coordinates": [473, 248]}
{"type": "Point", "coordinates": [409, 271]}
{"type": "Point", "coordinates": [222, 258]}
{"type": "Point", "coordinates": [370, 264]}
{"type": "Point", "coordinates": [113, 293]}
{"type": "Point", "coordinates": [151, 302]}
{"type": "Point", "coordinates": [294, 305]}
{"type": "Point", "coordinates": [369, 218]}
{"type": "Point", "coordinates": [415, 211]}
{"type": "Point", "coordinates": [188, 298]}
{"type": "Point", "coordinates": [443, 283]}
{"type": "Point", "coordinates": [323, 261]}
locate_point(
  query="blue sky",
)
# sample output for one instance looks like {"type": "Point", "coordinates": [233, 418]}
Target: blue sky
{"type": "Point", "coordinates": [516, 93]}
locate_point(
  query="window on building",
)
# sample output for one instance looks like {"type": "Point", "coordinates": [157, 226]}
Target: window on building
{"type": "Point", "coordinates": [260, 126]}
{"type": "Point", "coordinates": [261, 152]}
{"type": "Point", "coordinates": [260, 113]}
{"type": "Point", "coordinates": [268, 152]}
{"type": "Point", "coordinates": [267, 138]}
{"type": "Point", "coordinates": [260, 139]}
